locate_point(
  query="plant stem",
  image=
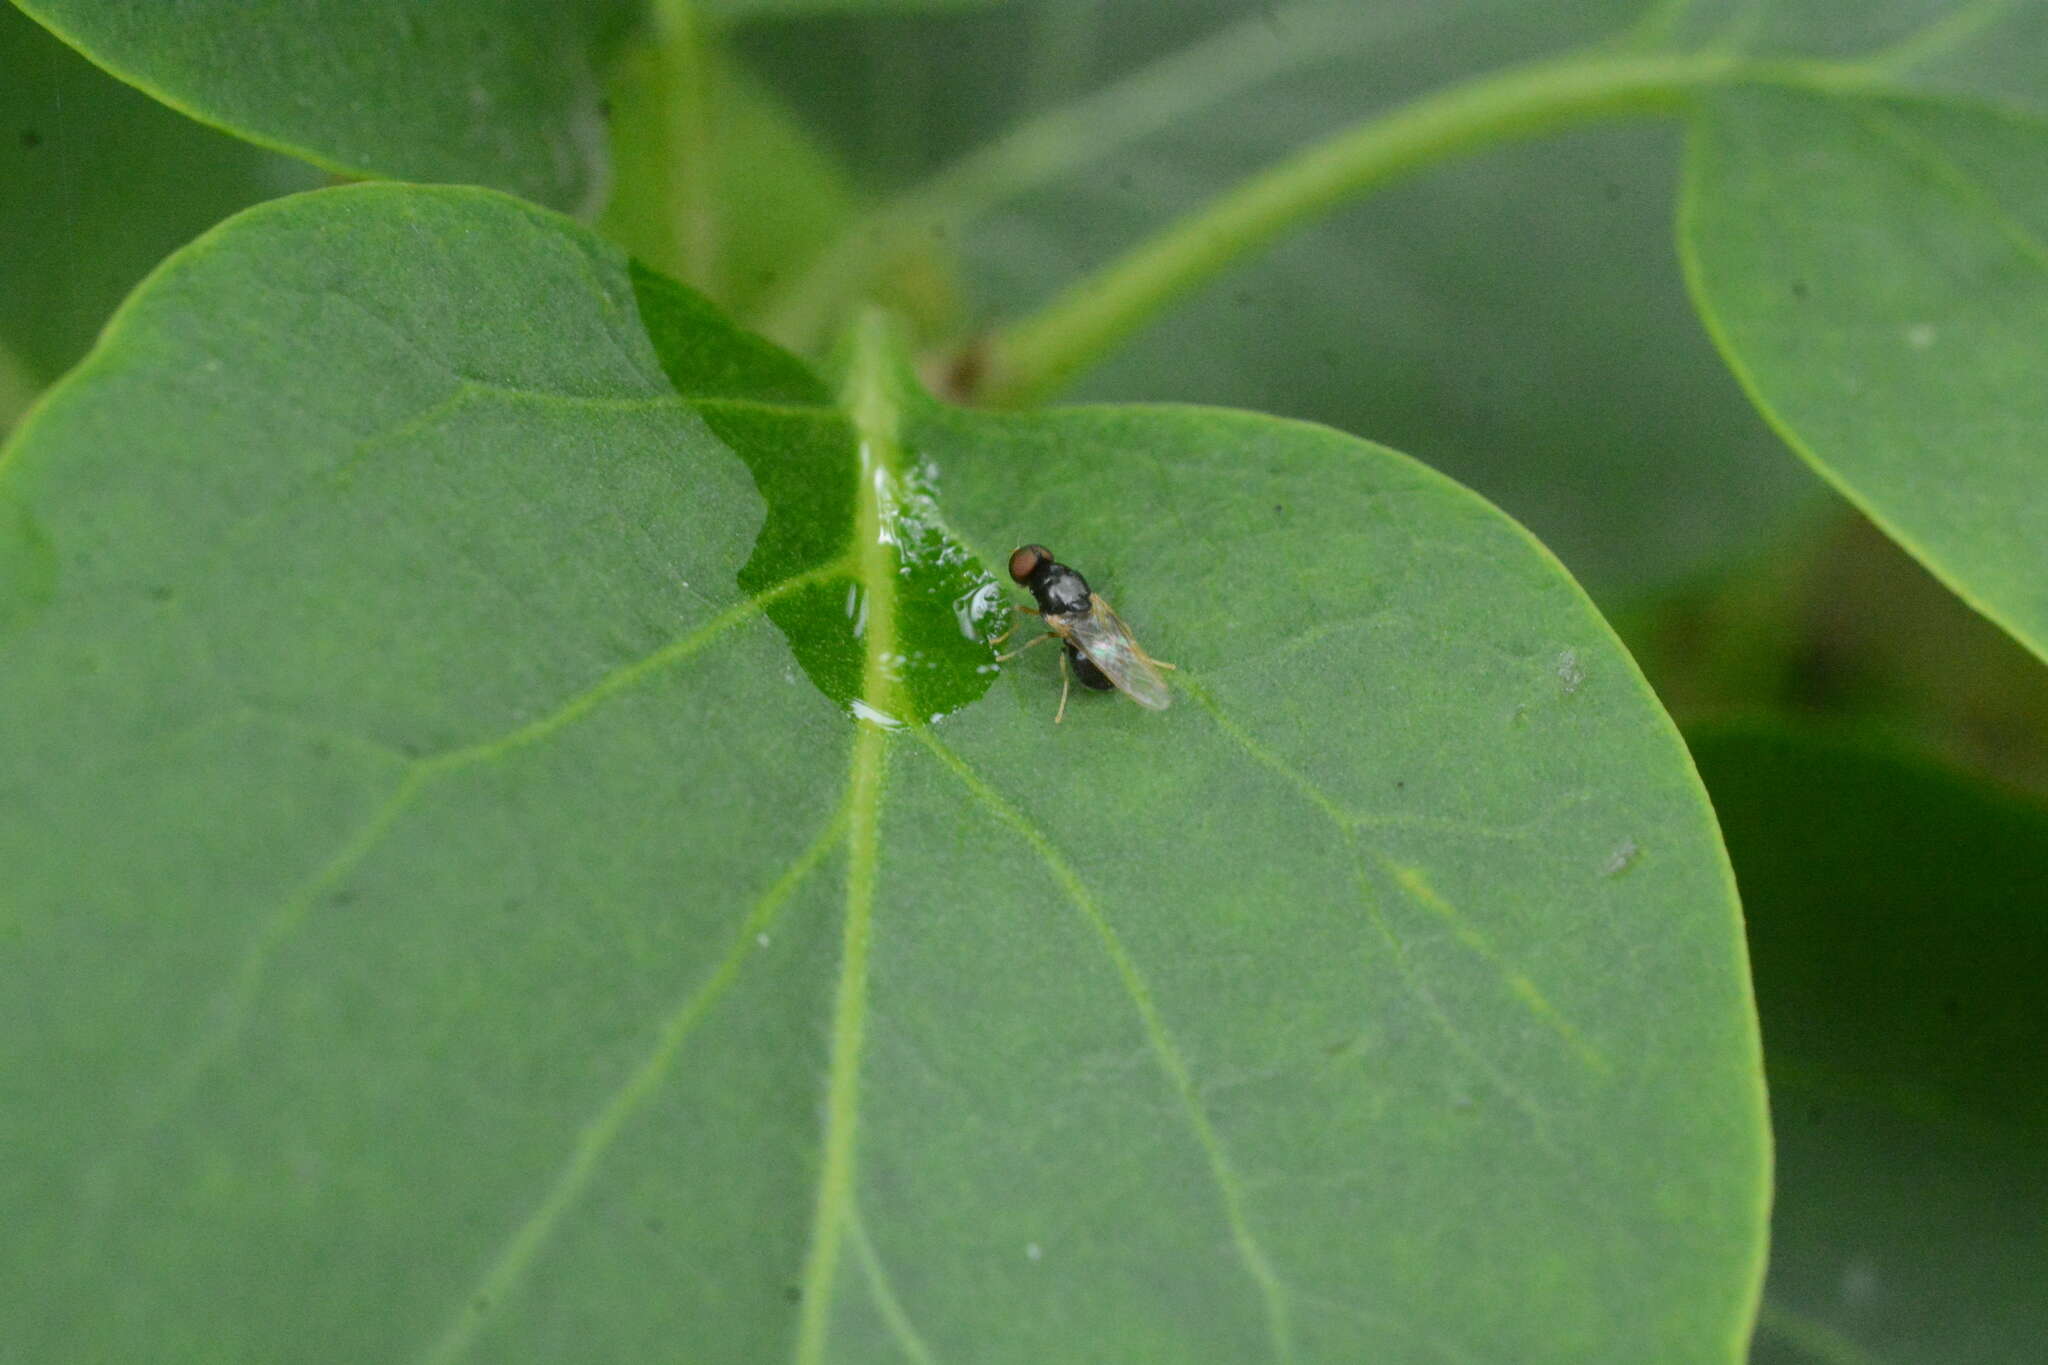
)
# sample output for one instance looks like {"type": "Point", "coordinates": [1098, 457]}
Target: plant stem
{"type": "Point", "coordinates": [1034, 356]}
{"type": "Point", "coordinates": [1049, 145]}
{"type": "Point", "coordinates": [682, 43]}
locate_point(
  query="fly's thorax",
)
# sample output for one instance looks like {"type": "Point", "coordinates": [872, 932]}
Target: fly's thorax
{"type": "Point", "coordinates": [1060, 591]}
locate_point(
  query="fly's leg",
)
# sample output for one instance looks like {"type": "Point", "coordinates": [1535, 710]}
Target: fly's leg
{"type": "Point", "coordinates": [1066, 682]}
{"type": "Point", "coordinates": [1001, 658]}
{"type": "Point", "coordinates": [998, 639]}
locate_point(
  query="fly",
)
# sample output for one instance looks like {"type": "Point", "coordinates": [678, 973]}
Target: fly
{"type": "Point", "coordinates": [1092, 637]}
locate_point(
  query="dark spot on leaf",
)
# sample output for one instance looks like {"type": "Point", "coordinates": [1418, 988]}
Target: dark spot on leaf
{"type": "Point", "coordinates": [604, 108]}
{"type": "Point", "coordinates": [1125, 182]}
{"type": "Point", "coordinates": [1278, 508]}
{"type": "Point", "coordinates": [160, 593]}
{"type": "Point", "coordinates": [1400, 783]}
{"type": "Point", "coordinates": [1799, 289]}
{"type": "Point", "coordinates": [322, 749]}
{"type": "Point", "coordinates": [656, 1225]}
{"type": "Point", "coordinates": [481, 1303]}
{"type": "Point", "coordinates": [1242, 298]}
{"type": "Point", "coordinates": [346, 896]}
{"type": "Point", "coordinates": [31, 139]}
{"type": "Point", "coordinates": [793, 1293]}
{"type": "Point", "coordinates": [1951, 1007]}
{"type": "Point", "coordinates": [1611, 192]}
{"type": "Point", "coordinates": [1328, 355]}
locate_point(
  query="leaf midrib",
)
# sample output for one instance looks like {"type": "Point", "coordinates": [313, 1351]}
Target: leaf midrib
{"type": "Point", "coordinates": [603, 1128]}
{"type": "Point", "coordinates": [870, 400]}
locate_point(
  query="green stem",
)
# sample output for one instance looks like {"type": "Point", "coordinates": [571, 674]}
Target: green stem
{"type": "Point", "coordinates": [1081, 132]}
{"type": "Point", "coordinates": [687, 76]}
{"type": "Point", "coordinates": [1034, 356]}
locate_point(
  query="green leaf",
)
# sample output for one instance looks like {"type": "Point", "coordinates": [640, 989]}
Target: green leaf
{"type": "Point", "coordinates": [450, 913]}
{"type": "Point", "coordinates": [1516, 320]}
{"type": "Point", "coordinates": [495, 92]}
{"type": "Point", "coordinates": [1990, 47]}
{"type": "Point", "coordinates": [1876, 272]}
{"type": "Point", "coordinates": [98, 184]}
{"type": "Point", "coordinates": [1898, 944]}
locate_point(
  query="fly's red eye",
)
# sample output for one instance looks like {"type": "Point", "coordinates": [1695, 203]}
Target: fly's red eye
{"type": "Point", "coordinates": [1025, 559]}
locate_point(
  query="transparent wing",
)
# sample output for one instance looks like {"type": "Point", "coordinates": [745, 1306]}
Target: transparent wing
{"type": "Point", "coordinates": [1107, 642]}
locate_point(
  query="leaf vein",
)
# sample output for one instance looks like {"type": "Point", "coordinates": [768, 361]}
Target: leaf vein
{"type": "Point", "coordinates": [1935, 159]}
{"type": "Point", "coordinates": [230, 1014]}
{"type": "Point", "coordinates": [891, 1308]}
{"type": "Point", "coordinates": [849, 1026]}
{"type": "Point", "coordinates": [1257, 1265]}
{"type": "Point", "coordinates": [598, 1133]}
{"type": "Point", "coordinates": [1412, 882]}
{"type": "Point", "coordinates": [1415, 884]}
{"type": "Point", "coordinates": [628, 674]}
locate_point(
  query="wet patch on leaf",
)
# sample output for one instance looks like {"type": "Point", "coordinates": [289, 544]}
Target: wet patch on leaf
{"type": "Point", "coordinates": [805, 458]}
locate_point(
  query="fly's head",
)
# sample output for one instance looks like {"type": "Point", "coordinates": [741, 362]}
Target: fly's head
{"type": "Point", "coordinates": [1059, 590]}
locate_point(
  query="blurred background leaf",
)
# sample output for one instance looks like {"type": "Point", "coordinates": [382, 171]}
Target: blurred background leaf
{"type": "Point", "coordinates": [1978, 47]}
{"type": "Point", "coordinates": [98, 183]}
{"type": "Point", "coordinates": [1898, 943]}
{"type": "Point", "coordinates": [1877, 272]}
{"type": "Point", "coordinates": [494, 92]}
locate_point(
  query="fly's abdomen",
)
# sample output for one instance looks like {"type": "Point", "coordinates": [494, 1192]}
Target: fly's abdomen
{"type": "Point", "coordinates": [1087, 672]}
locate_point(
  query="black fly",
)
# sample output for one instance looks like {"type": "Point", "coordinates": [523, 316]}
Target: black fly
{"type": "Point", "coordinates": [1091, 636]}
